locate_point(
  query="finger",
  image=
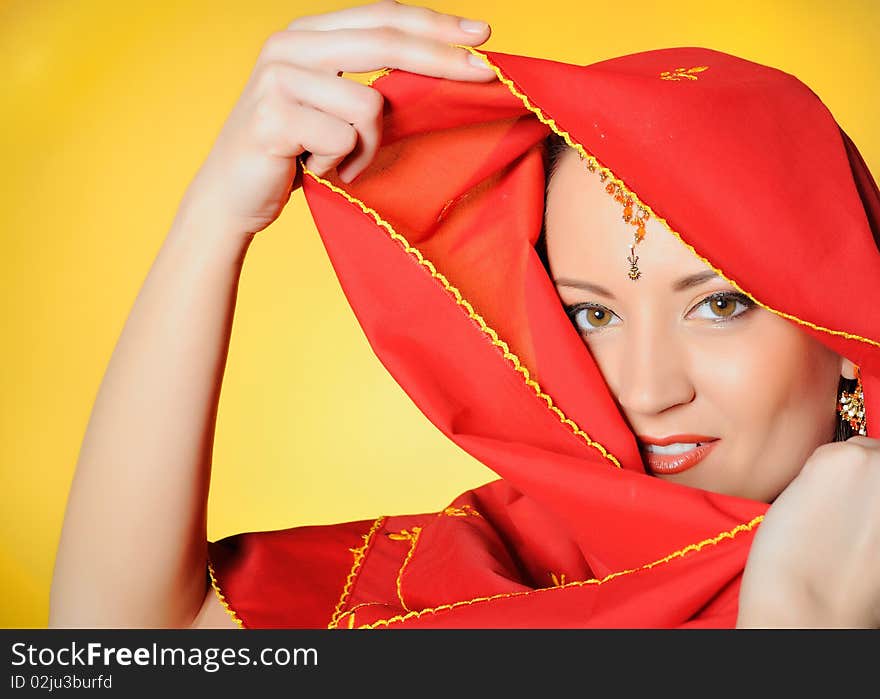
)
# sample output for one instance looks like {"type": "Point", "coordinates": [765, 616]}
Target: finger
{"type": "Point", "coordinates": [363, 153]}
{"type": "Point", "coordinates": [286, 130]}
{"type": "Point", "coordinates": [356, 104]}
{"type": "Point", "coordinates": [867, 442]}
{"type": "Point", "coordinates": [327, 138]}
{"type": "Point", "coordinates": [365, 50]}
{"type": "Point", "coordinates": [322, 164]}
{"type": "Point", "coordinates": [412, 19]}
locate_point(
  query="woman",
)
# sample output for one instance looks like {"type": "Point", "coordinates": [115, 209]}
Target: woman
{"type": "Point", "coordinates": [695, 325]}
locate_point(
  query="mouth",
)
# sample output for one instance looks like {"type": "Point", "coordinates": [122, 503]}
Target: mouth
{"type": "Point", "coordinates": [675, 454]}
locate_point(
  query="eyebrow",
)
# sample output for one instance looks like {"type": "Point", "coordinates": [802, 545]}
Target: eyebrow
{"type": "Point", "coordinates": [680, 285]}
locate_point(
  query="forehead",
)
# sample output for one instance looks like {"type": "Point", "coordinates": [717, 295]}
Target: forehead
{"type": "Point", "coordinates": [586, 232]}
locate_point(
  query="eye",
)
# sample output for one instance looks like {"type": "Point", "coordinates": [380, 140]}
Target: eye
{"type": "Point", "coordinates": [589, 317]}
{"type": "Point", "coordinates": [722, 306]}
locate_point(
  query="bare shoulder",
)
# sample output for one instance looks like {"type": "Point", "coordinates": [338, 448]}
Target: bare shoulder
{"type": "Point", "coordinates": [213, 614]}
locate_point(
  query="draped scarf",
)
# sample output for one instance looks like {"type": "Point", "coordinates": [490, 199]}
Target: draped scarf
{"type": "Point", "coordinates": [434, 247]}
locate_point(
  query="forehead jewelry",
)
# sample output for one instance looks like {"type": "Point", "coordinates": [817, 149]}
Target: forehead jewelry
{"type": "Point", "coordinates": [633, 260]}
{"type": "Point", "coordinates": [634, 214]}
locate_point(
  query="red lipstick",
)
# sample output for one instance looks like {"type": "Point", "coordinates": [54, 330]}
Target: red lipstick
{"type": "Point", "coordinates": [663, 464]}
{"type": "Point", "coordinates": [673, 438]}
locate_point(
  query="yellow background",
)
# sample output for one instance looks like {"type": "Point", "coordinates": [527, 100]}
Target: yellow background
{"type": "Point", "coordinates": [109, 108]}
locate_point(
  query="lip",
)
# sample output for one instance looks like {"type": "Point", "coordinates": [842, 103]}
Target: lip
{"type": "Point", "coordinates": [665, 464]}
{"type": "Point", "coordinates": [673, 438]}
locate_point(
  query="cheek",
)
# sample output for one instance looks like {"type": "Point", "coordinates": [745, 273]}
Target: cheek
{"type": "Point", "coordinates": [771, 389]}
{"type": "Point", "coordinates": [772, 381]}
{"type": "Point", "coordinates": [794, 373]}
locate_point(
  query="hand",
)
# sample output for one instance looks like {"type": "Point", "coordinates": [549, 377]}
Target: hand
{"type": "Point", "coordinates": [296, 101]}
{"type": "Point", "coordinates": [815, 560]}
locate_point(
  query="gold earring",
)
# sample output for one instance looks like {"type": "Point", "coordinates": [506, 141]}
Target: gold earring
{"type": "Point", "coordinates": [851, 407]}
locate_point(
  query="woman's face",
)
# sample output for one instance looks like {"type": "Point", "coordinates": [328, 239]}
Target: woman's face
{"type": "Point", "coordinates": [684, 354]}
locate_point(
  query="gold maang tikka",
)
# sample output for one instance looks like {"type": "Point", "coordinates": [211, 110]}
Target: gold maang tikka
{"type": "Point", "coordinates": [633, 260]}
{"type": "Point", "coordinates": [851, 407]}
{"type": "Point", "coordinates": [633, 213]}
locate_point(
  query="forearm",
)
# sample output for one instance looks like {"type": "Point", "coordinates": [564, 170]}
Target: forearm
{"type": "Point", "coordinates": [133, 545]}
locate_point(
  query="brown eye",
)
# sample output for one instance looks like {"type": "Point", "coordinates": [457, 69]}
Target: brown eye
{"type": "Point", "coordinates": [589, 317]}
{"type": "Point", "coordinates": [598, 317]}
{"type": "Point", "coordinates": [723, 306]}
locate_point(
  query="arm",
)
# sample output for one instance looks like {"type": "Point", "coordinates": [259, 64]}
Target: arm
{"type": "Point", "coordinates": [133, 545]}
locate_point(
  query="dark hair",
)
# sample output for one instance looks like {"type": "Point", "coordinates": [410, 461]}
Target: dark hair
{"type": "Point", "coordinates": [554, 147]}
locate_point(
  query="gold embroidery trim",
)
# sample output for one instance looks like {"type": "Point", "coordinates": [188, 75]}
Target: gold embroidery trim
{"type": "Point", "coordinates": [729, 534]}
{"type": "Point", "coordinates": [348, 614]}
{"type": "Point", "coordinates": [682, 73]}
{"type": "Point", "coordinates": [616, 180]}
{"type": "Point", "coordinates": [464, 303]}
{"type": "Point", "coordinates": [222, 598]}
{"type": "Point", "coordinates": [365, 77]}
{"type": "Point", "coordinates": [381, 74]}
{"type": "Point", "coordinates": [463, 511]}
{"type": "Point", "coordinates": [359, 554]}
{"type": "Point", "coordinates": [558, 580]}
{"type": "Point", "coordinates": [413, 538]}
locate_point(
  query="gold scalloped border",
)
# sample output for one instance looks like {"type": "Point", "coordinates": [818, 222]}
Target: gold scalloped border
{"type": "Point", "coordinates": [538, 112]}
{"type": "Point", "coordinates": [349, 613]}
{"type": "Point", "coordinates": [222, 598]}
{"type": "Point", "coordinates": [466, 305]}
{"type": "Point", "coordinates": [359, 554]}
{"type": "Point", "coordinates": [729, 534]}
{"type": "Point", "coordinates": [414, 541]}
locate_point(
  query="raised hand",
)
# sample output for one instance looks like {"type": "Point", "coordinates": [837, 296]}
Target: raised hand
{"type": "Point", "coordinates": [296, 101]}
{"type": "Point", "coordinates": [815, 560]}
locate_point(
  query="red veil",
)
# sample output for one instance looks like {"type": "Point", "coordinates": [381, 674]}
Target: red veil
{"type": "Point", "coordinates": [434, 245]}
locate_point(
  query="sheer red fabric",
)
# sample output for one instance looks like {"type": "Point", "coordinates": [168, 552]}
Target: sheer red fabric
{"type": "Point", "coordinates": [434, 248]}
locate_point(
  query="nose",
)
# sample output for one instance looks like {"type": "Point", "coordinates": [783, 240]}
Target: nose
{"type": "Point", "coordinates": [653, 372]}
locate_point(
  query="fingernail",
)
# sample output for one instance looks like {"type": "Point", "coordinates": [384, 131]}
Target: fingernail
{"type": "Point", "coordinates": [478, 62]}
{"type": "Point", "coordinates": [472, 26]}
